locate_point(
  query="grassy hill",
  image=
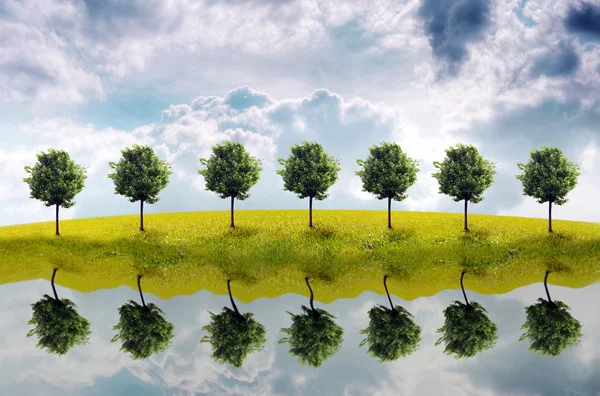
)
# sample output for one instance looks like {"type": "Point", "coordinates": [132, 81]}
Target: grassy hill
{"type": "Point", "coordinates": [270, 252]}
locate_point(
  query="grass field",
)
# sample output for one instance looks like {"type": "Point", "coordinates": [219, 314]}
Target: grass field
{"type": "Point", "coordinates": [270, 252]}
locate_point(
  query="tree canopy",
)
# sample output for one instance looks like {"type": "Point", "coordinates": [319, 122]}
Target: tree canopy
{"type": "Point", "coordinates": [550, 327]}
{"type": "Point", "coordinates": [313, 337]}
{"type": "Point", "coordinates": [234, 336]}
{"type": "Point", "coordinates": [391, 333]}
{"type": "Point", "coordinates": [57, 325]}
{"type": "Point", "coordinates": [467, 330]}
{"type": "Point", "coordinates": [142, 330]}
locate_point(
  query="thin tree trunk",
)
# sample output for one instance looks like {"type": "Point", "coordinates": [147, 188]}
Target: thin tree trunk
{"type": "Point", "coordinates": [546, 287]}
{"type": "Point", "coordinates": [141, 215]}
{"type": "Point", "coordinates": [549, 216]}
{"type": "Point", "coordinates": [463, 289]}
{"type": "Point", "coordinates": [52, 282]}
{"type": "Point", "coordinates": [235, 308]}
{"type": "Point", "coordinates": [389, 212]}
{"type": "Point", "coordinates": [232, 224]}
{"type": "Point", "coordinates": [466, 224]}
{"type": "Point", "coordinates": [387, 292]}
{"type": "Point", "coordinates": [311, 295]}
{"type": "Point", "coordinates": [57, 233]}
{"type": "Point", "coordinates": [140, 289]}
{"type": "Point", "coordinates": [310, 211]}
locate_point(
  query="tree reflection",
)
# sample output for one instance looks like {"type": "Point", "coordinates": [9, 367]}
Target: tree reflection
{"type": "Point", "coordinates": [142, 329]}
{"type": "Point", "coordinates": [549, 326]}
{"type": "Point", "coordinates": [57, 324]}
{"type": "Point", "coordinates": [392, 332]}
{"type": "Point", "coordinates": [233, 335]}
{"type": "Point", "coordinates": [467, 330]}
{"type": "Point", "coordinates": [314, 336]}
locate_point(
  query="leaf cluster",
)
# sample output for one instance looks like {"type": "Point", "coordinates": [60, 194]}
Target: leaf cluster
{"type": "Point", "coordinates": [550, 327]}
{"type": "Point", "coordinates": [140, 174]}
{"type": "Point", "coordinates": [548, 176]}
{"type": "Point", "coordinates": [467, 330]}
{"type": "Point", "coordinates": [55, 179]}
{"type": "Point", "coordinates": [464, 174]}
{"type": "Point", "coordinates": [57, 325]}
{"type": "Point", "coordinates": [313, 337]}
{"type": "Point", "coordinates": [309, 171]}
{"type": "Point", "coordinates": [234, 336]}
{"type": "Point", "coordinates": [388, 172]}
{"type": "Point", "coordinates": [142, 330]}
{"type": "Point", "coordinates": [391, 333]}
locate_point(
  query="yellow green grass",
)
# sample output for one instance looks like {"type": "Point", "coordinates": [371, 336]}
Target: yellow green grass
{"type": "Point", "coordinates": [270, 252]}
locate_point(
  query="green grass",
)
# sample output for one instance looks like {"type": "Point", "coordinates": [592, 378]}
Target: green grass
{"type": "Point", "coordinates": [270, 252]}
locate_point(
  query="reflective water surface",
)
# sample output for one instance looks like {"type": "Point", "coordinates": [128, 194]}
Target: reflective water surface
{"type": "Point", "coordinates": [186, 367]}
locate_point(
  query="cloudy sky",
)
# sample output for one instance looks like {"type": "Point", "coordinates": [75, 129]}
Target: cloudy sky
{"type": "Point", "coordinates": [93, 77]}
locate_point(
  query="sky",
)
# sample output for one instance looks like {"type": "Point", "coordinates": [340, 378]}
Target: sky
{"type": "Point", "coordinates": [93, 77]}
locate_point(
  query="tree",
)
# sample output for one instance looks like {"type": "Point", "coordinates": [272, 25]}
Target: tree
{"type": "Point", "coordinates": [233, 335]}
{"type": "Point", "coordinates": [467, 330]}
{"type": "Point", "coordinates": [392, 332]}
{"type": "Point", "coordinates": [230, 172]}
{"type": "Point", "coordinates": [388, 173]}
{"type": "Point", "coordinates": [140, 175]}
{"type": "Point", "coordinates": [549, 326]}
{"type": "Point", "coordinates": [142, 329]}
{"type": "Point", "coordinates": [57, 324]}
{"type": "Point", "coordinates": [55, 179]}
{"type": "Point", "coordinates": [464, 175]}
{"type": "Point", "coordinates": [548, 177]}
{"type": "Point", "coordinates": [309, 172]}
{"type": "Point", "coordinates": [314, 336]}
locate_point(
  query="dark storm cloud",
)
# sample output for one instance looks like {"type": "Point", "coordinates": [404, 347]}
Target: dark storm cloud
{"type": "Point", "coordinates": [560, 62]}
{"type": "Point", "coordinates": [452, 24]}
{"type": "Point", "coordinates": [584, 19]}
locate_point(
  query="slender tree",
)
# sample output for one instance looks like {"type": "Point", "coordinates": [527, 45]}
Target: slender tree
{"type": "Point", "coordinates": [548, 177]}
{"type": "Point", "coordinates": [57, 324]}
{"type": "Point", "coordinates": [140, 175]}
{"type": "Point", "coordinates": [392, 333]}
{"type": "Point", "coordinates": [55, 179]}
{"type": "Point", "coordinates": [388, 173]}
{"type": "Point", "coordinates": [314, 336]}
{"type": "Point", "coordinates": [232, 335]}
{"type": "Point", "coordinates": [464, 175]}
{"type": "Point", "coordinates": [230, 172]}
{"type": "Point", "coordinates": [309, 172]}
{"type": "Point", "coordinates": [142, 329]}
{"type": "Point", "coordinates": [549, 326]}
{"type": "Point", "coordinates": [467, 330]}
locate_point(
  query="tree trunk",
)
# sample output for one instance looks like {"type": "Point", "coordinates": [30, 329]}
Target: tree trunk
{"type": "Point", "coordinates": [52, 282]}
{"type": "Point", "coordinates": [140, 289]}
{"type": "Point", "coordinates": [386, 291]}
{"type": "Point", "coordinates": [310, 211]}
{"type": "Point", "coordinates": [141, 215]}
{"type": "Point", "coordinates": [235, 308]}
{"type": "Point", "coordinates": [463, 289]}
{"type": "Point", "coordinates": [389, 212]}
{"type": "Point", "coordinates": [57, 233]}
{"type": "Point", "coordinates": [549, 216]}
{"type": "Point", "coordinates": [312, 307]}
{"type": "Point", "coordinates": [232, 224]}
{"type": "Point", "coordinates": [466, 224]}
{"type": "Point", "coordinates": [546, 287]}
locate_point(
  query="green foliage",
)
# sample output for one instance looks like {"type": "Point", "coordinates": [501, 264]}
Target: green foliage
{"type": "Point", "coordinates": [230, 171]}
{"type": "Point", "coordinates": [388, 172]}
{"type": "Point", "coordinates": [467, 330]}
{"type": "Point", "coordinates": [309, 171]}
{"type": "Point", "coordinates": [140, 174]}
{"type": "Point", "coordinates": [234, 336]}
{"type": "Point", "coordinates": [464, 174]}
{"type": "Point", "coordinates": [550, 327]}
{"type": "Point", "coordinates": [391, 333]}
{"type": "Point", "coordinates": [548, 176]}
{"type": "Point", "coordinates": [313, 337]}
{"type": "Point", "coordinates": [57, 325]}
{"type": "Point", "coordinates": [142, 330]}
{"type": "Point", "coordinates": [55, 179]}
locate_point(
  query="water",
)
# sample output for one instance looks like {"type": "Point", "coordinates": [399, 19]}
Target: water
{"type": "Point", "coordinates": [99, 368]}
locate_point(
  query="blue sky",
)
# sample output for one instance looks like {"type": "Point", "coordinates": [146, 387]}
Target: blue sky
{"type": "Point", "coordinates": [93, 77]}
